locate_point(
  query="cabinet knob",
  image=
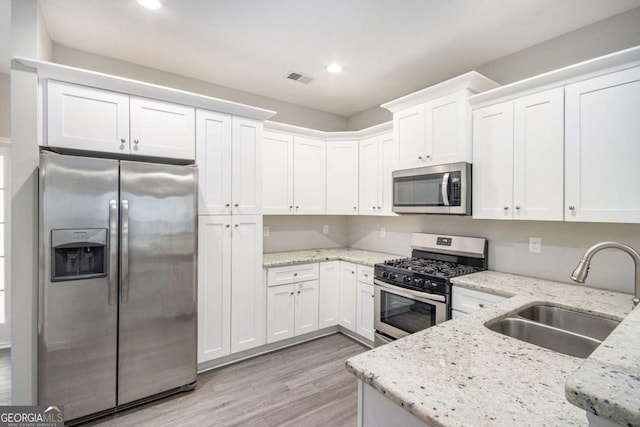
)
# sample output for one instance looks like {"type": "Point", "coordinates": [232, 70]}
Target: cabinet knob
{"type": "Point", "coordinates": [373, 296]}
{"type": "Point", "coordinates": [506, 208]}
{"type": "Point", "coordinates": [518, 207]}
{"type": "Point", "coordinates": [295, 274]}
{"type": "Point", "coordinates": [373, 207]}
{"type": "Point", "coordinates": [428, 156]}
{"type": "Point", "coordinates": [236, 205]}
{"type": "Point", "coordinates": [227, 226]}
{"type": "Point", "coordinates": [298, 291]}
{"type": "Point", "coordinates": [123, 140]}
{"type": "Point", "coordinates": [355, 207]}
{"type": "Point", "coordinates": [572, 208]}
{"type": "Point", "coordinates": [353, 272]}
{"type": "Point", "coordinates": [237, 225]}
{"type": "Point", "coordinates": [419, 157]}
{"type": "Point", "coordinates": [135, 141]}
{"type": "Point", "coordinates": [481, 305]}
{"type": "Point", "coordinates": [228, 204]}
{"type": "Point", "coordinates": [291, 293]}
{"type": "Point", "coordinates": [379, 207]}
{"type": "Point", "coordinates": [366, 275]}
{"type": "Point", "coordinates": [297, 207]}
{"type": "Point", "coordinates": [290, 207]}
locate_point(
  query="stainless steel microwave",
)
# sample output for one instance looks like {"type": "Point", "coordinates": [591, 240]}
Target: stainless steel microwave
{"type": "Point", "coordinates": [443, 189]}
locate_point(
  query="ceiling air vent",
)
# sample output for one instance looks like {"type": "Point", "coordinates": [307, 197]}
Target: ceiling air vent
{"type": "Point", "coordinates": [298, 77]}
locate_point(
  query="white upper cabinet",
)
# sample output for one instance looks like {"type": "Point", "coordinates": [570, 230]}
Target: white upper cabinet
{"type": "Point", "coordinates": [213, 156]}
{"type": "Point", "coordinates": [518, 158]}
{"type": "Point", "coordinates": [433, 126]}
{"type": "Point", "coordinates": [277, 182]}
{"type": "Point", "coordinates": [85, 118]}
{"type": "Point", "coordinates": [229, 152]}
{"type": "Point", "coordinates": [309, 176]}
{"type": "Point", "coordinates": [162, 129]}
{"type": "Point", "coordinates": [602, 148]}
{"type": "Point", "coordinates": [342, 177]}
{"type": "Point", "coordinates": [246, 170]}
{"type": "Point", "coordinates": [377, 155]}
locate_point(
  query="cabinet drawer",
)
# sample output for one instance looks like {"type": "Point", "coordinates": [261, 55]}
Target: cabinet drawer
{"type": "Point", "coordinates": [365, 274]}
{"type": "Point", "coordinates": [292, 273]}
{"type": "Point", "coordinates": [468, 300]}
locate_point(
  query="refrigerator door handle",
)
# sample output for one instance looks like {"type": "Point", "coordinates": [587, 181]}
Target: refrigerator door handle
{"type": "Point", "coordinates": [113, 252]}
{"type": "Point", "coordinates": [124, 252]}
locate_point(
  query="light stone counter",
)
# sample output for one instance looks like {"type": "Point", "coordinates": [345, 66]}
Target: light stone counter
{"type": "Point", "coordinates": [356, 256]}
{"type": "Point", "coordinates": [460, 373]}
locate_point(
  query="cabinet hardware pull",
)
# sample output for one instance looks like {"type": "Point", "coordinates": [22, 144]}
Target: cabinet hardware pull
{"type": "Point", "coordinates": [291, 293]}
{"type": "Point", "coordinates": [355, 207]}
{"type": "Point", "coordinates": [135, 141]}
{"type": "Point", "coordinates": [428, 156]}
{"type": "Point", "coordinates": [571, 208]}
{"type": "Point", "coordinates": [379, 207]}
{"type": "Point", "coordinates": [295, 274]}
{"type": "Point", "coordinates": [298, 291]}
{"type": "Point", "coordinates": [373, 296]}
{"type": "Point", "coordinates": [366, 275]}
{"type": "Point", "coordinates": [481, 305]}
{"type": "Point", "coordinates": [373, 207]}
{"type": "Point", "coordinates": [353, 272]}
{"type": "Point", "coordinates": [506, 208]}
{"type": "Point", "coordinates": [518, 207]}
{"type": "Point", "coordinates": [419, 157]}
{"type": "Point", "coordinates": [227, 205]}
{"type": "Point", "coordinates": [123, 140]}
{"type": "Point", "coordinates": [236, 205]}
{"type": "Point", "coordinates": [237, 225]}
{"type": "Point", "coordinates": [227, 226]}
{"type": "Point", "coordinates": [291, 207]}
{"type": "Point", "coordinates": [297, 207]}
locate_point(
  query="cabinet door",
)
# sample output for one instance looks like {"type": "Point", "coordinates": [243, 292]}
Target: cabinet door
{"type": "Point", "coordinates": [214, 287]}
{"type": "Point", "coordinates": [329, 294]}
{"type": "Point", "coordinates": [409, 128]}
{"type": "Point", "coordinates": [306, 317]}
{"type": "Point", "coordinates": [309, 176]}
{"type": "Point", "coordinates": [213, 157]}
{"type": "Point", "coordinates": [370, 178]}
{"type": "Point", "coordinates": [386, 164]}
{"type": "Point", "coordinates": [493, 161]}
{"type": "Point", "coordinates": [246, 169]}
{"type": "Point", "coordinates": [162, 129]}
{"type": "Point", "coordinates": [85, 118]}
{"type": "Point", "coordinates": [248, 293]}
{"type": "Point", "coordinates": [280, 312]}
{"type": "Point", "coordinates": [538, 156]}
{"type": "Point", "coordinates": [342, 178]}
{"type": "Point", "coordinates": [277, 182]}
{"type": "Point", "coordinates": [348, 295]}
{"type": "Point", "coordinates": [602, 148]}
{"type": "Point", "coordinates": [447, 121]}
{"type": "Point", "coordinates": [364, 310]}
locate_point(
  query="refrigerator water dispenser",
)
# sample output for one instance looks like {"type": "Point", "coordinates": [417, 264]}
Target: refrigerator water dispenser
{"type": "Point", "coordinates": [78, 254]}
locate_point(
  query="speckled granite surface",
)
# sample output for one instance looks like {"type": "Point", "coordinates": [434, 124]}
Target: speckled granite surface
{"type": "Point", "coordinates": [357, 256]}
{"type": "Point", "coordinates": [460, 373]}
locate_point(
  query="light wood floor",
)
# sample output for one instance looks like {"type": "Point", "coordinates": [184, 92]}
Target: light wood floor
{"type": "Point", "coordinates": [305, 385]}
{"type": "Point", "coordinates": [5, 376]}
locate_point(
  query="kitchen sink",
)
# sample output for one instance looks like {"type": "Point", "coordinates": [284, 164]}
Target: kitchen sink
{"type": "Point", "coordinates": [569, 320]}
{"type": "Point", "coordinates": [558, 329]}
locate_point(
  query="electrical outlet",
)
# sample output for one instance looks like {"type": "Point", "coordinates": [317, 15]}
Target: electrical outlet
{"type": "Point", "coordinates": [383, 232]}
{"type": "Point", "coordinates": [535, 245]}
{"type": "Point", "coordinates": [266, 231]}
{"type": "Point", "coordinates": [325, 229]}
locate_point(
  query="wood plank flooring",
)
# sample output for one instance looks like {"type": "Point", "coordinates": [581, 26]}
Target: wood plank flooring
{"type": "Point", "coordinates": [305, 385]}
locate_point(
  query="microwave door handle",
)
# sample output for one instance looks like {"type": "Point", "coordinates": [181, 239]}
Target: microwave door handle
{"type": "Point", "coordinates": [444, 187]}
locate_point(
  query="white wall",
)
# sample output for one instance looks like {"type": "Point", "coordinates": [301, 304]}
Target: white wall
{"type": "Point", "coordinates": [287, 113]}
{"type": "Point", "coordinates": [289, 233]}
{"type": "Point", "coordinates": [4, 106]}
{"type": "Point", "coordinates": [562, 244]}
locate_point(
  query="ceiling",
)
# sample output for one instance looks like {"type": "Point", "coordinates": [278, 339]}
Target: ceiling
{"type": "Point", "coordinates": [388, 48]}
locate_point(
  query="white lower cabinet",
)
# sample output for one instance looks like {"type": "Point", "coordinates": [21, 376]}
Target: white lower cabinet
{"type": "Point", "coordinates": [231, 291]}
{"type": "Point", "coordinates": [292, 301]}
{"type": "Point", "coordinates": [348, 295]}
{"type": "Point", "coordinates": [464, 301]}
{"type": "Point", "coordinates": [329, 294]}
{"type": "Point", "coordinates": [364, 310]}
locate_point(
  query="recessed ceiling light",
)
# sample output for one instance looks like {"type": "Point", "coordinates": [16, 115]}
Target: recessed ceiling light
{"type": "Point", "coordinates": [150, 4]}
{"type": "Point", "coordinates": [334, 68]}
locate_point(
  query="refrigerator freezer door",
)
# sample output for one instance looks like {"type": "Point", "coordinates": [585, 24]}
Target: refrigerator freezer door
{"type": "Point", "coordinates": [77, 321]}
{"type": "Point", "coordinates": [157, 332]}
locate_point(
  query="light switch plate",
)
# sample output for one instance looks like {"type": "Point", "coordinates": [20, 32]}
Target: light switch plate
{"type": "Point", "coordinates": [266, 231]}
{"type": "Point", "coordinates": [535, 245]}
{"type": "Point", "coordinates": [325, 229]}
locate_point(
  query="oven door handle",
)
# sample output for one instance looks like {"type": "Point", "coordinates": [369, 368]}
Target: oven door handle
{"type": "Point", "coordinates": [410, 293]}
{"type": "Point", "coordinates": [444, 188]}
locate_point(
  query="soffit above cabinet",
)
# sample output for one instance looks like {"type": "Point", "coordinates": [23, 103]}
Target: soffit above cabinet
{"type": "Point", "coordinates": [49, 70]}
{"type": "Point", "coordinates": [471, 81]}
{"type": "Point", "coordinates": [329, 136]}
{"type": "Point", "coordinates": [617, 61]}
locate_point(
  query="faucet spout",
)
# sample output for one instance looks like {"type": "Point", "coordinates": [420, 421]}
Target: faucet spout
{"type": "Point", "coordinates": [581, 271]}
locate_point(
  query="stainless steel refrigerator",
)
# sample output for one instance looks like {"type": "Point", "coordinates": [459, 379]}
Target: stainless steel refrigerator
{"type": "Point", "coordinates": [117, 288]}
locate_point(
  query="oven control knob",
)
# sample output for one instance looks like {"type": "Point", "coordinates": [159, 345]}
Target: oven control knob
{"type": "Point", "coordinates": [393, 276]}
{"type": "Point", "coordinates": [385, 274]}
{"type": "Point", "coordinates": [406, 279]}
{"type": "Point", "coordinates": [420, 282]}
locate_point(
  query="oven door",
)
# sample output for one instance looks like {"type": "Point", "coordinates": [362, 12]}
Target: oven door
{"type": "Point", "coordinates": [400, 312]}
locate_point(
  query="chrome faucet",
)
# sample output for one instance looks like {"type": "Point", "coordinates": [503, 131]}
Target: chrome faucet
{"type": "Point", "coordinates": [582, 269]}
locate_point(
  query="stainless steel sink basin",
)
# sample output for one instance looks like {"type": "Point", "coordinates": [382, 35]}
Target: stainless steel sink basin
{"type": "Point", "coordinates": [569, 320]}
{"type": "Point", "coordinates": [558, 329]}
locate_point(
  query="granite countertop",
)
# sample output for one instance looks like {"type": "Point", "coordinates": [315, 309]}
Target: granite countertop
{"type": "Point", "coordinates": [356, 256]}
{"type": "Point", "coordinates": [461, 373]}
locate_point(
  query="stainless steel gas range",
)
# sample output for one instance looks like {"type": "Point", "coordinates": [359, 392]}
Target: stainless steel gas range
{"type": "Point", "coordinates": [414, 293]}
